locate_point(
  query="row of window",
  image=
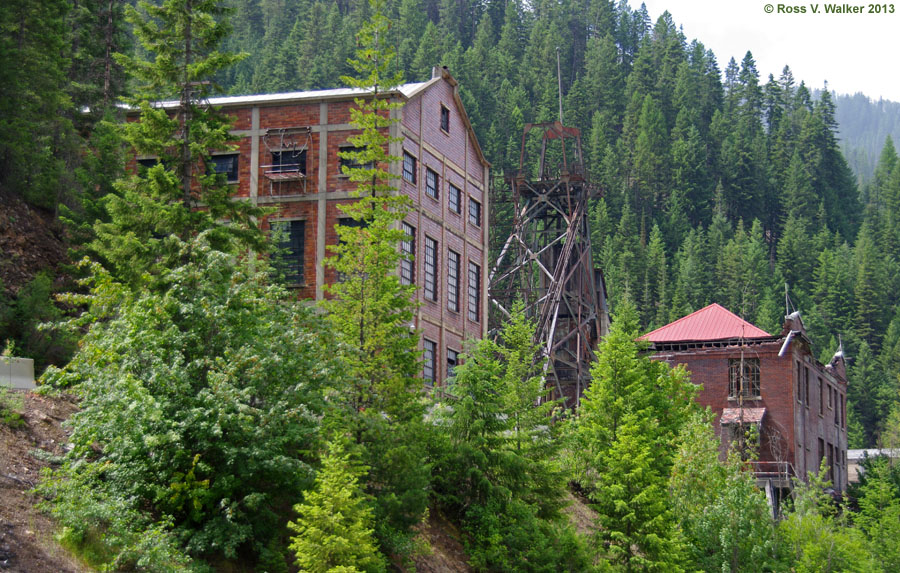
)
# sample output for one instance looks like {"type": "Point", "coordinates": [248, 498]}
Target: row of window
{"type": "Point", "coordinates": [291, 264]}
{"type": "Point", "coordinates": [432, 189]}
{"type": "Point", "coordinates": [431, 273]}
{"type": "Point", "coordinates": [429, 358]}
{"type": "Point", "coordinates": [836, 401]}
{"type": "Point", "coordinates": [284, 161]}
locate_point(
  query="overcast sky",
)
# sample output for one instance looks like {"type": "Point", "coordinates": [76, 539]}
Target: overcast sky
{"type": "Point", "coordinates": [853, 52]}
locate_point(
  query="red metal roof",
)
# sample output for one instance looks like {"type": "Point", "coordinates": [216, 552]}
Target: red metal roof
{"type": "Point", "coordinates": [745, 415]}
{"type": "Point", "coordinates": [713, 322]}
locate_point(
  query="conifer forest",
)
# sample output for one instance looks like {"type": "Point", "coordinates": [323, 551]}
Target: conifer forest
{"type": "Point", "coordinates": [224, 425]}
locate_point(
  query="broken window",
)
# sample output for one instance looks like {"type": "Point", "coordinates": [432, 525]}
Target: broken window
{"type": "Point", "coordinates": [445, 118]}
{"type": "Point", "coordinates": [409, 167]}
{"type": "Point", "coordinates": [474, 292]}
{"type": "Point", "coordinates": [474, 212]}
{"type": "Point", "coordinates": [454, 199]}
{"type": "Point", "coordinates": [351, 163]}
{"type": "Point", "coordinates": [428, 372]}
{"type": "Point", "coordinates": [743, 383]}
{"type": "Point", "coordinates": [452, 361]}
{"type": "Point", "coordinates": [453, 281]}
{"type": "Point", "coordinates": [431, 183]}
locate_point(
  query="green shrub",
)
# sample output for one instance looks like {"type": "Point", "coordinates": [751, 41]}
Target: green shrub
{"type": "Point", "coordinates": [200, 401]}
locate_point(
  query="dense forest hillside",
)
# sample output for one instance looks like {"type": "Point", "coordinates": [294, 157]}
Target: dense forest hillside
{"type": "Point", "coordinates": [865, 124]}
{"type": "Point", "coordinates": [720, 185]}
{"type": "Point", "coordinates": [224, 425]}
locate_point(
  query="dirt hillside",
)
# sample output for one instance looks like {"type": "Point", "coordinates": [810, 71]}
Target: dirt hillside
{"type": "Point", "coordinates": [26, 534]}
{"type": "Point", "coordinates": [29, 242]}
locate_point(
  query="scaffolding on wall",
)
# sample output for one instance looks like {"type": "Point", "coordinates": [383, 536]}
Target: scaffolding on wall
{"type": "Point", "coordinates": [547, 263]}
{"type": "Point", "coordinates": [288, 149]}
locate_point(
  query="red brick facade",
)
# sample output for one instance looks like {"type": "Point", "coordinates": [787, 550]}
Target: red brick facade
{"type": "Point", "coordinates": [805, 416]}
{"type": "Point", "coordinates": [316, 124]}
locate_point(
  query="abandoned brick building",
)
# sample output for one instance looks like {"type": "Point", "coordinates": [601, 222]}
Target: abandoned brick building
{"type": "Point", "coordinates": [286, 157]}
{"type": "Point", "coordinates": [797, 404]}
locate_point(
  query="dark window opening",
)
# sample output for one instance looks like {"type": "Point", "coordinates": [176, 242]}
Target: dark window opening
{"type": "Point", "coordinates": [474, 292]}
{"type": "Point", "coordinates": [226, 164]}
{"type": "Point", "coordinates": [431, 255]}
{"type": "Point", "coordinates": [805, 371]}
{"type": "Point", "coordinates": [351, 163]}
{"type": "Point", "coordinates": [744, 384]}
{"type": "Point", "coordinates": [453, 281]}
{"type": "Point", "coordinates": [452, 362]}
{"type": "Point", "coordinates": [290, 260]}
{"type": "Point", "coordinates": [147, 162]}
{"type": "Point", "coordinates": [454, 199]}
{"type": "Point", "coordinates": [821, 398]}
{"type": "Point", "coordinates": [445, 119]}
{"type": "Point", "coordinates": [409, 167]}
{"type": "Point", "coordinates": [431, 183]}
{"type": "Point", "coordinates": [474, 212]}
{"type": "Point", "coordinates": [408, 263]}
{"type": "Point", "coordinates": [289, 160]}
{"type": "Point", "coordinates": [428, 372]}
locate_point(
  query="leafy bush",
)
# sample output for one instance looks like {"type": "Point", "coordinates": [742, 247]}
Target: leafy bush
{"type": "Point", "coordinates": [200, 401]}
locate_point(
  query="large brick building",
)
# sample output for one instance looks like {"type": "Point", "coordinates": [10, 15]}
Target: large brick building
{"type": "Point", "coordinates": [286, 157]}
{"type": "Point", "coordinates": [798, 404]}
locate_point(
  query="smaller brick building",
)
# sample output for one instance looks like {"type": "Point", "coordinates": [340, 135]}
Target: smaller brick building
{"type": "Point", "coordinates": [774, 382]}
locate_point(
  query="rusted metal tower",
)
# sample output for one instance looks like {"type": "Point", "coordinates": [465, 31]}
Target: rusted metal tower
{"type": "Point", "coordinates": [546, 261]}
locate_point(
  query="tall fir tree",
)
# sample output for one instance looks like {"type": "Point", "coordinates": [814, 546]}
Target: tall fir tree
{"type": "Point", "coordinates": [379, 404]}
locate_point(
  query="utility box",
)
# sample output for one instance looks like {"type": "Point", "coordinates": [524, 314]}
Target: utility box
{"type": "Point", "coordinates": [17, 373]}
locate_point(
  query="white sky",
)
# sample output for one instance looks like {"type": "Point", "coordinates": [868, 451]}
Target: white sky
{"type": "Point", "coordinates": [853, 52]}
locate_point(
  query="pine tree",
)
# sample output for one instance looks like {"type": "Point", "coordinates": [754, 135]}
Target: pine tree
{"type": "Point", "coordinates": [379, 404]}
{"type": "Point", "coordinates": [33, 98]}
{"type": "Point", "coordinates": [334, 527]}
{"type": "Point", "coordinates": [879, 514]}
{"type": "Point", "coordinates": [622, 440]}
{"type": "Point", "coordinates": [153, 207]}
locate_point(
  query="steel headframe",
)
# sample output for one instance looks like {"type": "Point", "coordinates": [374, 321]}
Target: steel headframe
{"type": "Point", "coordinates": [546, 262]}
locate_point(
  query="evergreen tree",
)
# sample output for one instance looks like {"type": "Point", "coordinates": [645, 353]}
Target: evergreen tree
{"type": "Point", "coordinates": [334, 528]}
{"type": "Point", "coordinates": [33, 98]}
{"type": "Point", "coordinates": [724, 516]}
{"type": "Point", "coordinates": [379, 403]}
{"type": "Point", "coordinates": [622, 440]}
{"type": "Point", "coordinates": [151, 207]}
{"type": "Point", "coordinates": [816, 539]}
{"type": "Point", "coordinates": [692, 275]}
{"type": "Point", "coordinates": [879, 514]}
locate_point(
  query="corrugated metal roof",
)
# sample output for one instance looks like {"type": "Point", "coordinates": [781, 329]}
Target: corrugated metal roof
{"type": "Point", "coordinates": [748, 415]}
{"type": "Point", "coordinates": [408, 90]}
{"type": "Point", "coordinates": [713, 322]}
